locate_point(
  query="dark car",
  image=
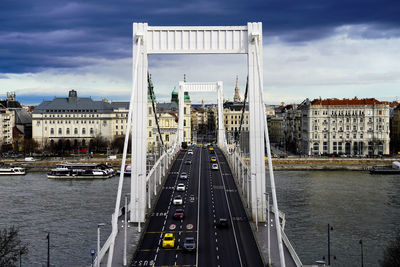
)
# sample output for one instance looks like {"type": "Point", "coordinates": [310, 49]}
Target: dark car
{"type": "Point", "coordinates": [189, 244]}
{"type": "Point", "coordinates": [179, 214]}
{"type": "Point", "coordinates": [188, 162]}
{"type": "Point", "coordinates": [222, 223]}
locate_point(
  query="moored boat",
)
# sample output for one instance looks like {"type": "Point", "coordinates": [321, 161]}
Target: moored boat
{"type": "Point", "coordinates": [81, 171]}
{"type": "Point", "coordinates": [10, 171]}
{"type": "Point", "coordinates": [394, 169]}
{"type": "Point", "coordinates": [127, 171]}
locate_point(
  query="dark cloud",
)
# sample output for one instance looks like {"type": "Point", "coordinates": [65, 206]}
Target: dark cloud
{"type": "Point", "coordinates": [40, 34]}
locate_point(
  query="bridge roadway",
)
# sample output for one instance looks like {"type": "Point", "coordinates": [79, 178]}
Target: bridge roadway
{"type": "Point", "coordinates": [210, 194]}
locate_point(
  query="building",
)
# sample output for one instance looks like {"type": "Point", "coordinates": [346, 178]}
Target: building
{"type": "Point", "coordinates": [292, 128]}
{"type": "Point", "coordinates": [187, 128]}
{"type": "Point", "coordinates": [15, 123]}
{"type": "Point", "coordinates": [75, 121]}
{"type": "Point", "coordinates": [395, 131]}
{"type": "Point", "coordinates": [348, 126]}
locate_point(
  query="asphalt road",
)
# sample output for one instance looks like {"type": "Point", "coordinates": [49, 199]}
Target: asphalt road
{"type": "Point", "coordinates": [215, 198]}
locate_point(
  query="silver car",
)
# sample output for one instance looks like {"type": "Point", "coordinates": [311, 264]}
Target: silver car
{"type": "Point", "coordinates": [183, 176]}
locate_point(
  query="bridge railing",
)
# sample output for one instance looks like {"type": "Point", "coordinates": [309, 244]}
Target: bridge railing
{"type": "Point", "coordinates": [240, 170]}
{"type": "Point", "coordinates": [153, 180]}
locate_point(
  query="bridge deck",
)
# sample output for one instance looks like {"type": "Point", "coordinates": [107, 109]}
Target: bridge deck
{"type": "Point", "coordinates": [210, 195]}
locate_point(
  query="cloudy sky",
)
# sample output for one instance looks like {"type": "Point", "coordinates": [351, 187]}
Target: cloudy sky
{"type": "Point", "coordinates": [312, 48]}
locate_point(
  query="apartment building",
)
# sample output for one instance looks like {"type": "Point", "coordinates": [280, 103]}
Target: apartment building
{"type": "Point", "coordinates": [345, 126]}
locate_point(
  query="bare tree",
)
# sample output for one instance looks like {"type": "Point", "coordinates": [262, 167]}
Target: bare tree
{"type": "Point", "coordinates": [11, 247]}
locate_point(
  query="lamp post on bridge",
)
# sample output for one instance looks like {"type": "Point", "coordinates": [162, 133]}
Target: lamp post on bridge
{"type": "Point", "coordinates": [362, 253]}
{"type": "Point", "coordinates": [126, 226]}
{"type": "Point", "coordinates": [98, 243]}
{"type": "Point", "coordinates": [269, 231]}
{"type": "Point", "coordinates": [329, 244]}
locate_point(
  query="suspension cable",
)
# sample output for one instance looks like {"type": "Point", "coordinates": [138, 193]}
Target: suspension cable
{"type": "Point", "coordinates": [243, 110]}
{"type": "Point", "coordinates": [151, 92]}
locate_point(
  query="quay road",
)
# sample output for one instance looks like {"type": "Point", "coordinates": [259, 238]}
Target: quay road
{"type": "Point", "coordinates": [210, 195]}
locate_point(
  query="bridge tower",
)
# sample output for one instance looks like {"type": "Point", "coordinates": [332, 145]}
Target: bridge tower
{"type": "Point", "coordinates": [198, 40]}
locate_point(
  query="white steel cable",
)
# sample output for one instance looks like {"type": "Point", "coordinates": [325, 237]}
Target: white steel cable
{"type": "Point", "coordinates": [122, 171]}
{"type": "Point", "coordinates": [271, 172]}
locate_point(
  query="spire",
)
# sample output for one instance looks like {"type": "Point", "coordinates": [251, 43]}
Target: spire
{"type": "Point", "coordinates": [236, 97]}
{"type": "Point", "coordinates": [184, 77]}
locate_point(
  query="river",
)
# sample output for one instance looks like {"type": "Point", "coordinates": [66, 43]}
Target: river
{"type": "Point", "coordinates": [356, 204]}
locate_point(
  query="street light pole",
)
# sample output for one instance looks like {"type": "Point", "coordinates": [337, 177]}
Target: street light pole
{"type": "Point", "coordinates": [329, 244]}
{"type": "Point", "coordinates": [269, 231]}
{"type": "Point", "coordinates": [126, 226]}
{"type": "Point", "coordinates": [98, 243]}
{"type": "Point", "coordinates": [362, 253]}
{"type": "Point", "coordinates": [48, 249]}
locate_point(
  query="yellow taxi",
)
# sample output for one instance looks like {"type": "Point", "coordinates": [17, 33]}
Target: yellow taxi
{"type": "Point", "coordinates": [210, 148]}
{"type": "Point", "coordinates": [213, 159]}
{"type": "Point", "coordinates": [168, 241]}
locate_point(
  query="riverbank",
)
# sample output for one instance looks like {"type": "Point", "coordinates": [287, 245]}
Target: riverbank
{"type": "Point", "coordinates": [354, 164]}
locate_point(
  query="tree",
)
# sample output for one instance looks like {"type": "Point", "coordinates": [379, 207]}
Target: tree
{"type": "Point", "coordinates": [11, 247]}
{"type": "Point", "coordinates": [391, 256]}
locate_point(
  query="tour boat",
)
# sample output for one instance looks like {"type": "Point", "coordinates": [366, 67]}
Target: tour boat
{"type": "Point", "coordinates": [394, 169]}
{"type": "Point", "coordinates": [81, 171]}
{"type": "Point", "coordinates": [8, 171]}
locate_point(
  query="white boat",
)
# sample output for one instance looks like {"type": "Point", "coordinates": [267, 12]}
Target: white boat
{"type": "Point", "coordinates": [81, 171]}
{"type": "Point", "coordinates": [8, 171]}
{"type": "Point", "coordinates": [127, 171]}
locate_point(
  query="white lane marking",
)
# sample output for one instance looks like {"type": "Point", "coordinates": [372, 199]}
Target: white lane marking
{"type": "Point", "coordinates": [198, 214]}
{"type": "Point", "coordinates": [230, 215]}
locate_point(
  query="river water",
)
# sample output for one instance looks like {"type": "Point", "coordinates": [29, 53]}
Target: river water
{"type": "Point", "coordinates": [356, 204]}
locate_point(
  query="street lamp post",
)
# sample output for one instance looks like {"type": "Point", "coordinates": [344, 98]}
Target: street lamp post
{"type": "Point", "coordinates": [362, 253]}
{"type": "Point", "coordinates": [269, 231]}
{"type": "Point", "coordinates": [126, 226]}
{"type": "Point", "coordinates": [98, 243]}
{"type": "Point", "coordinates": [92, 252]}
{"type": "Point", "coordinates": [329, 244]}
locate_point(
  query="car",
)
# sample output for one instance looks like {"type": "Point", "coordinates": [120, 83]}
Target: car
{"type": "Point", "coordinates": [189, 244]}
{"type": "Point", "coordinates": [222, 223]}
{"type": "Point", "coordinates": [188, 162]}
{"type": "Point", "coordinates": [178, 200]}
{"type": "Point", "coordinates": [210, 148]}
{"type": "Point", "coordinates": [214, 166]}
{"type": "Point", "coordinates": [190, 152]}
{"type": "Point", "coordinates": [179, 214]}
{"type": "Point", "coordinates": [213, 159]}
{"type": "Point", "coordinates": [183, 176]}
{"type": "Point", "coordinates": [168, 241]}
{"type": "Point", "coordinates": [181, 187]}
{"type": "Point", "coordinates": [212, 151]}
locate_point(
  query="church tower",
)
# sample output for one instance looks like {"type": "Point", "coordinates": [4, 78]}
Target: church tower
{"type": "Point", "coordinates": [236, 97]}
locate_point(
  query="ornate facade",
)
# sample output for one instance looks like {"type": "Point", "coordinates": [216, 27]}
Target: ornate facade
{"type": "Point", "coordinates": [347, 126]}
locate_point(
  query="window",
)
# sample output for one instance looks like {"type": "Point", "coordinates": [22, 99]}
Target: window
{"type": "Point", "coordinates": [76, 131]}
{"type": "Point", "coordinates": [51, 130]}
{"type": "Point", "coordinates": [83, 130]}
{"type": "Point", "coordinates": [149, 122]}
{"type": "Point", "coordinates": [91, 131]}
{"type": "Point", "coordinates": [184, 122]}
{"type": "Point", "coordinates": [59, 131]}
{"type": "Point", "coordinates": [150, 110]}
{"type": "Point", "coordinates": [340, 146]}
{"type": "Point", "coordinates": [149, 133]}
{"type": "Point", "coordinates": [167, 137]}
{"type": "Point", "coordinates": [184, 110]}
{"type": "Point", "coordinates": [68, 131]}
{"type": "Point", "coordinates": [334, 147]}
{"type": "Point", "coordinates": [325, 147]}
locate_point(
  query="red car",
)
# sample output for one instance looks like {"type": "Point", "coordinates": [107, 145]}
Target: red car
{"type": "Point", "coordinates": [179, 214]}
